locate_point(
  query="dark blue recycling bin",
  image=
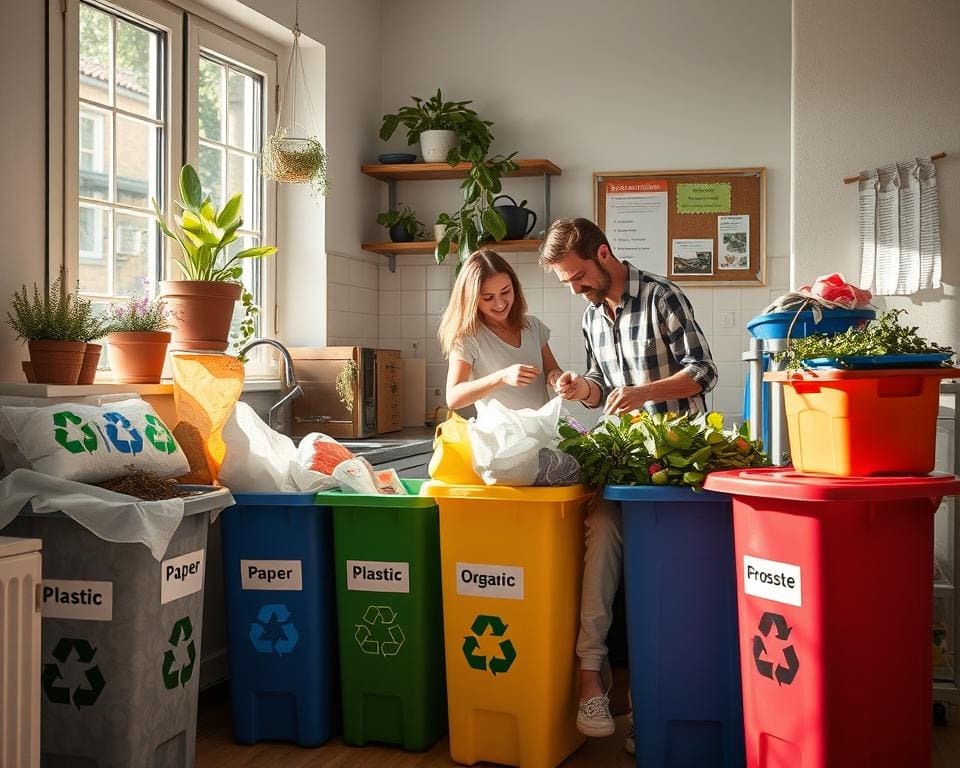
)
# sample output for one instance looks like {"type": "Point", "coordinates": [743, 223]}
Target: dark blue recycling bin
{"type": "Point", "coordinates": [681, 595]}
{"type": "Point", "coordinates": [281, 617]}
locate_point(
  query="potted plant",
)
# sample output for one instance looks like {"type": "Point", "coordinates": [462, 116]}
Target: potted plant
{"type": "Point", "coordinates": [295, 161]}
{"type": "Point", "coordinates": [91, 327]}
{"type": "Point", "coordinates": [138, 339]}
{"type": "Point", "coordinates": [441, 127]}
{"type": "Point", "coordinates": [402, 223]}
{"type": "Point", "coordinates": [202, 304]}
{"type": "Point", "coordinates": [476, 218]}
{"type": "Point", "coordinates": [55, 325]}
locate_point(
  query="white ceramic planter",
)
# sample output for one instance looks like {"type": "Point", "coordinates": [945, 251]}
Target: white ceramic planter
{"type": "Point", "coordinates": [435, 145]}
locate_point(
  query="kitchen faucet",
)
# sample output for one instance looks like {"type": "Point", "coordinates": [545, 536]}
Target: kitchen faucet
{"type": "Point", "coordinates": [279, 417]}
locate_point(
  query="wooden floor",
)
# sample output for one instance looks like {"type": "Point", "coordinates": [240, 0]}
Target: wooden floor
{"type": "Point", "coordinates": [215, 749]}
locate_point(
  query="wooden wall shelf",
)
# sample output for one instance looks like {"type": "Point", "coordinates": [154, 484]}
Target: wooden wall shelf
{"type": "Point", "coordinates": [426, 246]}
{"type": "Point", "coordinates": [441, 171]}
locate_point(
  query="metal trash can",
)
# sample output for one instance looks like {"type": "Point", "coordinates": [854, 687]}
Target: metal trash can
{"type": "Point", "coordinates": [120, 642]}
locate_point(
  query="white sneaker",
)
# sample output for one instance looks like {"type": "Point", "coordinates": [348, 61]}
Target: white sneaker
{"type": "Point", "coordinates": [594, 718]}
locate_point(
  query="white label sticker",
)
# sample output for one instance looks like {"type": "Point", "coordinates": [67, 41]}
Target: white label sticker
{"type": "Point", "coordinates": [84, 600]}
{"type": "Point", "coordinates": [181, 576]}
{"type": "Point", "coordinates": [482, 580]}
{"type": "Point", "coordinates": [377, 576]}
{"type": "Point", "coordinates": [769, 579]}
{"type": "Point", "coordinates": [271, 574]}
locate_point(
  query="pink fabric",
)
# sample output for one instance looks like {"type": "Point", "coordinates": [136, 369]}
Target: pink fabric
{"type": "Point", "coordinates": [835, 289]}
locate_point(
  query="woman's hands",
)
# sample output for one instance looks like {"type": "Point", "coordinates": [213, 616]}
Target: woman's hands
{"type": "Point", "coordinates": [519, 375]}
{"type": "Point", "coordinates": [572, 386]}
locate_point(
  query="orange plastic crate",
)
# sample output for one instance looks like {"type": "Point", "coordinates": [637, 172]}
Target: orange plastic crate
{"type": "Point", "coordinates": [859, 423]}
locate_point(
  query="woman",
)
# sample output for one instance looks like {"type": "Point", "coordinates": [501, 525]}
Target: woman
{"type": "Point", "coordinates": [496, 350]}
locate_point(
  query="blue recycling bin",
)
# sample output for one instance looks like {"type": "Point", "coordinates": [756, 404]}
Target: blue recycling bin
{"type": "Point", "coordinates": [281, 618]}
{"type": "Point", "coordinates": [681, 595]}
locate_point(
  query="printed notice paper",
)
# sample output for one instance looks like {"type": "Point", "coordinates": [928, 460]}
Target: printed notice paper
{"type": "Point", "coordinates": [636, 222]}
{"type": "Point", "coordinates": [703, 198]}
{"type": "Point", "coordinates": [733, 237]}
{"type": "Point", "coordinates": [692, 257]}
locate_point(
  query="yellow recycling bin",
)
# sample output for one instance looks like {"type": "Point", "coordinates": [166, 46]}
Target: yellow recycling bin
{"type": "Point", "coordinates": [511, 566]}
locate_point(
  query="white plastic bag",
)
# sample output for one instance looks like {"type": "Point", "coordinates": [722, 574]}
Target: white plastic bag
{"type": "Point", "coordinates": [257, 459]}
{"type": "Point", "coordinates": [506, 443]}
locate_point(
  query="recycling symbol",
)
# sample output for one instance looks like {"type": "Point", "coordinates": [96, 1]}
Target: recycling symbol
{"type": "Point", "coordinates": [59, 694]}
{"type": "Point", "coordinates": [387, 618]}
{"type": "Point", "coordinates": [182, 632]}
{"type": "Point", "coordinates": [65, 421]}
{"type": "Point", "coordinates": [158, 435]}
{"type": "Point", "coordinates": [273, 630]}
{"type": "Point", "coordinates": [784, 675]}
{"type": "Point", "coordinates": [498, 664]}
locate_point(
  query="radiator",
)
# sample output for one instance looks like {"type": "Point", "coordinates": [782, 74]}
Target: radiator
{"type": "Point", "coordinates": [19, 653]}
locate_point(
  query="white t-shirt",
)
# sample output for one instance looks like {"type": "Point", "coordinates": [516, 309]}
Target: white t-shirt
{"type": "Point", "coordinates": [486, 352]}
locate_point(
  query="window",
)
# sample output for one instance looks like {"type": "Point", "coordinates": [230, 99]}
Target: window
{"type": "Point", "coordinates": [135, 107]}
{"type": "Point", "coordinates": [123, 122]}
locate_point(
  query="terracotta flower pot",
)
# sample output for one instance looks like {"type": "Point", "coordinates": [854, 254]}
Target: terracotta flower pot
{"type": "Point", "coordinates": [202, 312]}
{"type": "Point", "coordinates": [27, 370]}
{"type": "Point", "coordinates": [136, 357]}
{"type": "Point", "coordinates": [91, 358]}
{"type": "Point", "coordinates": [56, 362]}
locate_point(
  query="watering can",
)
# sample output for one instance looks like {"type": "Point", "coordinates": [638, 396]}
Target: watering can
{"type": "Point", "coordinates": [515, 217]}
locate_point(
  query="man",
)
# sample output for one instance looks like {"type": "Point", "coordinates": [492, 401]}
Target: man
{"type": "Point", "coordinates": [644, 351]}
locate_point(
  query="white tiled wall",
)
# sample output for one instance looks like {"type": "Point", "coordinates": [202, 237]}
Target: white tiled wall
{"type": "Point", "coordinates": [412, 299]}
{"type": "Point", "coordinates": [353, 299]}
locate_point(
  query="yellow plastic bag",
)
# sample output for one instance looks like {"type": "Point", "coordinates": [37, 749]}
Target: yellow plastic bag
{"type": "Point", "coordinates": [452, 460]}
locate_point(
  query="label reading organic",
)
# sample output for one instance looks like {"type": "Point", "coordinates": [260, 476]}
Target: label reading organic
{"type": "Point", "coordinates": [83, 600]}
{"type": "Point", "coordinates": [769, 579]}
{"type": "Point", "coordinates": [483, 580]}
{"type": "Point", "coordinates": [377, 576]}
{"type": "Point", "coordinates": [181, 576]}
{"type": "Point", "coordinates": [284, 575]}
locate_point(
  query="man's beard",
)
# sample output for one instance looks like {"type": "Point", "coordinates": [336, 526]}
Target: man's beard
{"type": "Point", "coordinates": [597, 293]}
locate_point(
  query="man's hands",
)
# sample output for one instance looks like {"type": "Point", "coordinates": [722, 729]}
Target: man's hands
{"type": "Point", "coordinates": [519, 375]}
{"type": "Point", "coordinates": [625, 399]}
{"type": "Point", "coordinates": [572, 386]}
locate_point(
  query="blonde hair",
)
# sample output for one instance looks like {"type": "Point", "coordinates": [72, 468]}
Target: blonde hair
{"type": "Point", "coordinates": [461, 318]}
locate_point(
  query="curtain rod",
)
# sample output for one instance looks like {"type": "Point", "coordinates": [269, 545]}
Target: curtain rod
{"type": "Point", "coordinates": [852, 179]}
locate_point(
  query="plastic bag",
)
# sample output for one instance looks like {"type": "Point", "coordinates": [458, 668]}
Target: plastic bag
{"type": "Point", "coordinates": [452, 460]}
{"type": "Point", "coordinates": [257, 458]}
{"type": "Point", "coordinates": [506, 443]}
{"type": "Point", "coordinates": [557, 468]}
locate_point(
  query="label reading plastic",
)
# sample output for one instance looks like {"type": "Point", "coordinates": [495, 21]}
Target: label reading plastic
{"type": "Point", "coordinates": [771, 580]}
{"type": "Point", "coordinates": [286, 575]}
{"type": "Point", "coordinates": [181, 576]}
{"type": "Point", "coordinates": [377, 576]}
{"type": "Point", "coordinates": [484, 580]}
{"type": "Point", "coordinates": [83, 600]}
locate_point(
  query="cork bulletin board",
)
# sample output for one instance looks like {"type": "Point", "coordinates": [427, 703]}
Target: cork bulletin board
{"type": "Point", "coordinates": [695, 227]}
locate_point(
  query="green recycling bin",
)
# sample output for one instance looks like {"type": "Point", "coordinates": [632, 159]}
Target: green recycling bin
{"type": "Point", "coordinates": [389, 617]}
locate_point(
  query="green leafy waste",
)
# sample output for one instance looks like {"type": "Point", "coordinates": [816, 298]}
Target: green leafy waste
{"type": "Point", "coordinates": [883, 336]}
{"type": "Point", "coordinates": [660, 449]}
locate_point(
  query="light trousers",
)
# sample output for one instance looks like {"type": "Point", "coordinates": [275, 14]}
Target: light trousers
{"type": "Point", "coordinates": [602, 565]}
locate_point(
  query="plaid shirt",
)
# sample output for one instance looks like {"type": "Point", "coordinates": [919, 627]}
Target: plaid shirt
{"type": "Point", "coordinates": [653, 335]}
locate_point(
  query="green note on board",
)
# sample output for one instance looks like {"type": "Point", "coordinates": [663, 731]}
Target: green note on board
{"type": "Point", "coordinates": [703, 198]}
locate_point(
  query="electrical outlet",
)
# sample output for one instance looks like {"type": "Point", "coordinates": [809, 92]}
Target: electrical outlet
{"type": "Point", "coordinates": [728, 319]}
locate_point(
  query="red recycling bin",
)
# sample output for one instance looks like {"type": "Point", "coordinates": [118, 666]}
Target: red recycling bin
{"type": "Point", "coordinates": [834, 600]}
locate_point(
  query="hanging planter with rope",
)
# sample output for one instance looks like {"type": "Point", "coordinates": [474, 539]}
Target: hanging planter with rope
{"type": "Point", "coordinates": [297, 159]}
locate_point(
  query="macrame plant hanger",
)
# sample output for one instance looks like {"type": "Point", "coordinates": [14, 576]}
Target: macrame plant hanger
{"type": "Point", "coordinates": [298, 158]}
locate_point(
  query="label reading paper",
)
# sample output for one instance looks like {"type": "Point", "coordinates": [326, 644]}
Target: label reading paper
{"type": "Point", "coordinates": [83, 600]}
{"type": "Point", "coordinates": [284, 575]}
{"type": "Point", "coordinates": [181, 576]}
{"type": "Point", "coordinates": [378, 576]}
{"type": "Point", "coordinates": [483, 580]}
{"type": "Point", "coordinates": [769, 579]}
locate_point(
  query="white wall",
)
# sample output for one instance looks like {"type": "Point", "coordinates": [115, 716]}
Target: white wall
{"type": "Point", "coordinates": [616, 85]}
{"type": "Point", "coordinates": [874, 84]}
{"type": "Point", "coordinates": [22, 164]}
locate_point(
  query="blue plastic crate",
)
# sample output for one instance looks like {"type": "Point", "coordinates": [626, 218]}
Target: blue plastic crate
{"type": "Point", "coordinates": [775, 325]}
{"type": "Point", "coordinates": [281, 612]}
{"type": "Point", "coordinates": [681, 595]}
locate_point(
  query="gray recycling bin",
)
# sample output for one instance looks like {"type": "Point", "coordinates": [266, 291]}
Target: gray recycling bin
{"type": "Point", "coordinates": [120, 658]}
